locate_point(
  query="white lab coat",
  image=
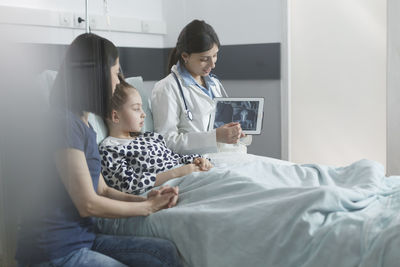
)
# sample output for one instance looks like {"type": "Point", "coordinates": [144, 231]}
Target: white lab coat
{"type": "Point", "coordinates": [170, 120]}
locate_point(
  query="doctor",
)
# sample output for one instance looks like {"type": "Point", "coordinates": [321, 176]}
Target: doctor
{"type": "Point", "coordinates": [182, 102]}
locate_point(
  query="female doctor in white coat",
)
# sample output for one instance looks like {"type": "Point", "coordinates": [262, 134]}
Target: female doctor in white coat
{"type": "Point", "coordinates": [183, 101]}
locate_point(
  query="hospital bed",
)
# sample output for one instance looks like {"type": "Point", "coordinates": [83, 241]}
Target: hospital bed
{"type": "Point", "coordinates": [257, 211]}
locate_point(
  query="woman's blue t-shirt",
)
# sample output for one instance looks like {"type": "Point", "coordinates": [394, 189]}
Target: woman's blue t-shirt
{"type": "Point", "coordinates": [52, 227]}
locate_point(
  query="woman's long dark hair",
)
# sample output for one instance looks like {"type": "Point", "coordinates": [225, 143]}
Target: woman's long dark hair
{"type": "Point", "coordinates": [83, 82]}
{"type": "Point", "coordinates": [196, 37]}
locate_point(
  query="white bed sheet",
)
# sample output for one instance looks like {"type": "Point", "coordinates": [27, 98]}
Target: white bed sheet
{"type": "Point", "coordinates": [221, 159]}
{"type": "Point", "coordinates": [258, 211]}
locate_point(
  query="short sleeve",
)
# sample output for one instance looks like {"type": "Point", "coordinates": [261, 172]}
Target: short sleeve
{"type": "Point", "coordinates": [69, 131]}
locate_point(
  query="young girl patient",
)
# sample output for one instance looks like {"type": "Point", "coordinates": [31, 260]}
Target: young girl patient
{"type": "Point", "coordinates": [135, 162]}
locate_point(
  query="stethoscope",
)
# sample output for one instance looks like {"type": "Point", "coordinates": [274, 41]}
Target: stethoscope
{"type": "Point", "coordinates": [189, 114]}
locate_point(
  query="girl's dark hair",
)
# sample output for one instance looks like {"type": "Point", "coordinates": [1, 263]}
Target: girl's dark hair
{"type": "Point", "coordinates": [196, 37]}
{"type": "Point", "coordinates": [83, 82]}
{"type": "Point", "coordinates": [119, 96]}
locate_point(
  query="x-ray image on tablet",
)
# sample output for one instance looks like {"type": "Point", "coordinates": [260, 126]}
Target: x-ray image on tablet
{"type": "Point", "coordinates": [247, 111]}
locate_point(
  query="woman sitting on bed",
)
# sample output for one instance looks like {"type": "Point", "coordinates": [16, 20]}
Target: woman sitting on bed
{"type": "Point", "coordinates": [135, 162]}
{"type": "Point", "coordinates": [57, 227]}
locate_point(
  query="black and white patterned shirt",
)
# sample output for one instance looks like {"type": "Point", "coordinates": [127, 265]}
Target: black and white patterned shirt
{"type": "Point", "coordinates": [131, 165]}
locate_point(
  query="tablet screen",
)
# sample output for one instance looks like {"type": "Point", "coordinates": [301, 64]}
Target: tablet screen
{"type": "Point", "coordinates": [247, 111]}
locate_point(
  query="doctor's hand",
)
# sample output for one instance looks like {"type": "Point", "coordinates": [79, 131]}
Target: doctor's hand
{"type": "Point", "coordinates": [229, 133]}
{"type": "Point", "coordinates": [203, 164]}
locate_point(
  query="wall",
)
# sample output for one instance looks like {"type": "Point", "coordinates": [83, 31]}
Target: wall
{"type": "Point", "coordinates": [2, 227]}
{"type": "Point", "coordinates": [338, 81]}
{"type": "Point", "coordinates": [393, 92]}
{"type": "Point", "coordinates": [149, 10]}
{"type": "Point", "coordinates": [239, 22]}
{"type": "Point", "coordinates": [236, 22]}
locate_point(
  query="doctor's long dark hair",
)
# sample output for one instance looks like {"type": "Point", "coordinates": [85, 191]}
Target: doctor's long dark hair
{"type": "Point", "coordinates": [83, 82]}
{"type": "Point", "coordinates": [196, 37]}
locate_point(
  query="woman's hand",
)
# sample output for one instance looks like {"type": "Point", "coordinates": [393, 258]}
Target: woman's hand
{"type": "Point", "coordinates": [162, 198]}
{"type": "Point", "coordinates": [174, 199]}
{"type": "Point", "coordinates": [203, 164]}
{"type": "Point", "coordinates": [229, 133]}
{"type": "Point", "coordinates": [164, 190]}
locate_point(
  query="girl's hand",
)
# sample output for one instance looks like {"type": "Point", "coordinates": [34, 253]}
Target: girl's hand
{"type": "Point", "coordinates": [229, 133]}
{"type": "Point", "coordinates": [203, 164]}
{"type": "Point", "coordinates": [187, 169]}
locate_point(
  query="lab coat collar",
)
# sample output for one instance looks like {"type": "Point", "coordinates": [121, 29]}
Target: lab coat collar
{"type": "Point", "coordinates": [188, 78]}
{"type": "Point", "coordinates": [195, 87]}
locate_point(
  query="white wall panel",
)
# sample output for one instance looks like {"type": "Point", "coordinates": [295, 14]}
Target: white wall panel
{"type": "Point", "coordinates": [236, 22]}
{"type": "Point", "coordinates": [131, 22]}
{"type": "Point", "coordinates": [338, 81]}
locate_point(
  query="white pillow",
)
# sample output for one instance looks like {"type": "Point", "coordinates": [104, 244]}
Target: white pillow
{"type": "Point", "coordinates": [137, 82]}
{"type": "Point", "coordinates": [99, 127]}
{"type": "Point", "coordinates": [46, 80]}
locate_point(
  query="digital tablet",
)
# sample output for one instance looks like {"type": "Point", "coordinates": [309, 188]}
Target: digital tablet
{"type": "Point", "coordinates": [247, 111]}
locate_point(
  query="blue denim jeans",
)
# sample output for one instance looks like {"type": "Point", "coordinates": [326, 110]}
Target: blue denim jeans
{"type": "Point", "coordinates": [118, 251]}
